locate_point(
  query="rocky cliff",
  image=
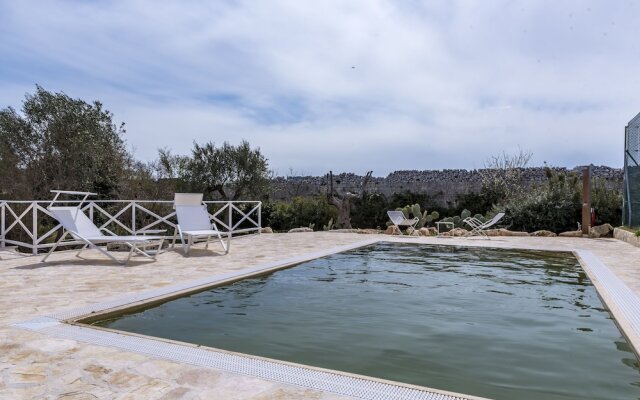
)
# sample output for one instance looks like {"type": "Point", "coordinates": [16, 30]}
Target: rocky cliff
{"type": "Point", "coordinates": [444, 186]}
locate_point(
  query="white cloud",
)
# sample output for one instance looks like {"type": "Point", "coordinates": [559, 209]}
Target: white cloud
{"type": "Point", "coordinates": [351, 86]}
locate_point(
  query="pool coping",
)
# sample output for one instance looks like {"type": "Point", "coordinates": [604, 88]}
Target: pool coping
{"type": "Point", "coordinates": [617, 297]}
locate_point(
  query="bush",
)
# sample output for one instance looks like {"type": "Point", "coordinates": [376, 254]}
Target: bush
{"type": "Point", "coordinates": [554, 206]}
{"type": "Point", "coordinates": [300, 212]}
{"type": "Point", "coordinates": [370, 211]}
{"type": "Point", "coordinates": [607, 203]}
{"type": "Point", "coordinates": [557, 204]}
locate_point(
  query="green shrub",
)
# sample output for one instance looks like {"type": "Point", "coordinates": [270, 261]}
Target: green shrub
{"type": "Point", "coordinates": [607, 203]}
{"type": "Point", "coordinates": [398, 200]}
{"type": "Point", "coordinates": [476, 203]}
{"type": "Point", "coordinates": [554, 206]}
{"type": "Point", "coordinates": [370, 211]}
{"type": "Point", "coordinates": [300, 212]}
{"type": "Point", "coordinates": [557, 204]}
{"type": "Point", "coordinates": [458, 220]}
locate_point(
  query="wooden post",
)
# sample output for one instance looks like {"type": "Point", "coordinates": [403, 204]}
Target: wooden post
{"type": "Point", "coordinates": [586, 199]}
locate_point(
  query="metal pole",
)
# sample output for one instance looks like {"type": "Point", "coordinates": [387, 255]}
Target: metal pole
{"type": "Point", "coordinates": [626, 198]}
{"type": "Point", "coordinates": [260, 217]}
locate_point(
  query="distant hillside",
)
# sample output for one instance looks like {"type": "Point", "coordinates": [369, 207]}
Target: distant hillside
{"type": "Point", "coordinates": [443, 186]}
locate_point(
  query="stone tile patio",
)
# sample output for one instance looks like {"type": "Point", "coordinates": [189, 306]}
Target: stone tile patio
{"type": "Point", "coordinates": [33, 365]}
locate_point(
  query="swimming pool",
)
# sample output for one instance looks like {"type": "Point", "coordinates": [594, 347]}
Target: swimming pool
{"type": "Point", "coordinates": [497, 323]}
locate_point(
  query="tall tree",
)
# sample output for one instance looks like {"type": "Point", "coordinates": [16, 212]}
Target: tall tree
{"type": "Point", "coordinates": [58, 142]}
{"type": "Point", "coordinates": [342, 202]}
{"type": "Point", "coordinates": [232, 172]}
{"type": "Point", "coordinates": [503, 176]}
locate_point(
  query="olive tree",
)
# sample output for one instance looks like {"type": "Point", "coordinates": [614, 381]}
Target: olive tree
{"type": "Point", "coordinates": [57, 142]}
{"type": "Point", "coordinates": [228, 172]}
{"type": "Point", "coordinates": [503, 176]}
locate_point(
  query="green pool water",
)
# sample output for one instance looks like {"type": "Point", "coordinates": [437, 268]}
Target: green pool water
{"type": "Point", "coordinates": [503, 324]}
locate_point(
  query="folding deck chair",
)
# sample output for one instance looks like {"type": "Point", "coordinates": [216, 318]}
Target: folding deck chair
{"type": "Point", "coordinates": [81, 228]}
{"type": "Point", "coordinates": [398, 219]}
{"type": "Point", "coordinates": [194, 222]}
{"type": "Point", "coordinates": [478, 227]}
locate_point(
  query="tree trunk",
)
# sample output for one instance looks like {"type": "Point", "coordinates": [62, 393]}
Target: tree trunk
{"type": "Point", "coordinates": [343, 220]}
{"type": "Point", "coordinates": [343, 206]}
{"type": "Point", "coordinates": [221, 191]}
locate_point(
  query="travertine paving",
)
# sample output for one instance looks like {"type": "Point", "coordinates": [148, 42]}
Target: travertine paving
{"type": "Point", "coordinates": [33, 365]}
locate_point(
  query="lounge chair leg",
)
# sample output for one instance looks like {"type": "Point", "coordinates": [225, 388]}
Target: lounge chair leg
{"type": "Point", "coordinates": [54, 246]}
{"type": "Point", "coordinates": [132, 247]}
{"type": "Point", "coordinates": [206, 246]}
{"type": "Point", "coordinates": [155, 256]}
{"type": "Point", "coordinates": [183, 241]}
{"type": "Point", "coordinates": [398, 228]}
{"type": "Point", "coordinates": [106, 253]}
{"type": "Point", "coordinates": [173, 242]}
{"type": "Point", "coordinates": [81, 250]}
{"type": "Point", "coordinates": [187, 248]}
{"type": "Point", "coordinates": [141, 252]}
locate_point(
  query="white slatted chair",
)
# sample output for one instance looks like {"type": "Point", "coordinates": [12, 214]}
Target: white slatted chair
{"type": "Point", "coordinates": [398, 219]}
{"type": "Point", "coordinates": [194, 222]}
{"type": "Point", "coordinates": [81, 228]}
{"type": "Point", "coordinates": [478, 227]}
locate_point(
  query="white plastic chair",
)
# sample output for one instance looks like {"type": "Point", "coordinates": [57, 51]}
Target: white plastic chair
{"type": "Point", "coordinates": [80, 227]}
{"type": "Point", "coordinates": [194, 222]}
{"type": "Point", "coordinates": [398, 219]}
{"type": "Point", "coordinates": [478, 227]}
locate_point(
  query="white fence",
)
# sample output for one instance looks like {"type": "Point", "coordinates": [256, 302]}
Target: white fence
{"type": "Point", "coordinates": [29, 224]}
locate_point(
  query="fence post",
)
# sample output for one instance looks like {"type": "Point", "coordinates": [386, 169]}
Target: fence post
{"type": "Point", "coordinates": [91, 211]}
{"type": "Point", "coordinates": [34, 228]}
{"type": "Point", "coordinates": [133, 217]}
{"type": "Point", "coordinates": [3, 226]}
{"type": "Point", "coordinates": [260, 217]}
{"type": "Point", "coordinates": [230, 222]}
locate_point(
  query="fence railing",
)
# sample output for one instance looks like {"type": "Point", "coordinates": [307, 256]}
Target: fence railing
{"type": "Point", "coordinates": [28, 224]}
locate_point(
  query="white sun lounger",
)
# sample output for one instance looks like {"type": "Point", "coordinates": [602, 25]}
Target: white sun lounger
{"type": "Point", "coordinates": [194, 222]}
{"type": "Point", "coordinates": [478, 227]}
{"type": "Point", "coordinates": [398, 219]}
{"type": "Point", "coordinates": [81, 228]}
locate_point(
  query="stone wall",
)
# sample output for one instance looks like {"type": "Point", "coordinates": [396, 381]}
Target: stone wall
{"type": "Point", "coordinates": [444, 186]}
{"type": "Point", "coordinates": [626, 236]}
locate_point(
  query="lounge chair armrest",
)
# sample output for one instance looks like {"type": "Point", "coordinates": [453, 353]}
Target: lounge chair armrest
{"type": "Point", "coordinates": [473, 222]}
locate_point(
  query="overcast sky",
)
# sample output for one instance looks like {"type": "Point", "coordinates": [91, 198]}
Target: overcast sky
{"type": "Point", "coordinates": [343, 85]}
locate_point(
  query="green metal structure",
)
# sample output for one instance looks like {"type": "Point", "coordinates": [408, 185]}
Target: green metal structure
{"type": "Point", "coordinates": [631, 197]}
